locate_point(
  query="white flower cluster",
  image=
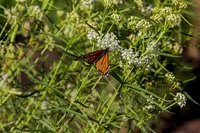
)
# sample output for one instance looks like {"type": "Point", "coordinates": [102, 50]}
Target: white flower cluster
{"type": "Point", "coordinates": [35, 12]}
{"type": "Point", "coordinates": [166, 10]}
{"type": "Point", "coordinates": [169, 77]}
{"type": "Point", "coordinates": [181, 5]}
{"type": "Point", "coordinates": [146, 34]}
{"type": "Point", "coordinates": [72, 21]}
{"type": "Point", "coordinates": [21, 1]}
{"type": "Point", "coordinates": [87, 4]}
{"type": "Point", "coordinates": [152, 48]}
{"type": "Point", "coordinates": [175, 2]}
{"type": "Point", "coordinates": [109, 40]}
{"type": "Point", "coordinates": [116, 17]}
{"type": "Point", "coordinates": [180, 99]}
{"type": "Point", "coordinates": [2, 50]}
{"type": "Point", "coordinates": [92, 35]}
{"type": "Point", "coordinates": [146, 62]}
{"type": "Point", "coordinates": [72, 17]}
{"type": "Point", "coordinates": [143, 24]}
{"type": "Point", "coordinates": [133, 59]}
{"type": "Point", "coordinates": [157, 17]}
{"type": "Point", "coordinates": [139, 3]}
{"type": "Point", "coordinates": [169, 14]}
{"type": "Point", "coordinates": [173, 20]}
{"type": "Point", "coordinates": [4, 80]}
{"type": "Point", "coordinates": [109, 3]}
{"type": "Point", "coordinates": [142, 61]}
{"type": "Point", "coordinates": [147, 9]}
{"type": "Point", "coordinates": [132, 22]}
{"type": "Point", "coordinates": [12, 14]}
{"type": "Point", "coordinates": [150, 106]}
{"type": "Point", "coordinates": [137, 23]}
{"type": "Point", "coordinates": [117, 2]}
{"type": "Point", "coordinates": [129, 56]}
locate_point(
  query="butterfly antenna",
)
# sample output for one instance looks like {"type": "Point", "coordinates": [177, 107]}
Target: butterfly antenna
{"type": "Point", "coordinates": [92, 28]}
{"type": "Point", "coordinates": [76, 57]}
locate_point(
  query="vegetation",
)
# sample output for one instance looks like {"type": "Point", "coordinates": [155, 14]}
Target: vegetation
{"type": "Point", "coordinates": [44, 89]}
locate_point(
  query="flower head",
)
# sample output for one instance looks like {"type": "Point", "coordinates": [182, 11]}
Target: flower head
{"type": "Point", "coordinates": [143, 24]}
{"type": "Point", "coordinates": [180, 99]}
{"type": "Point", "coordinates": [170, 77]}
{"type": "Point", "coordinates": [35, 12]}
{"type": "Point", "coordinates": [110, 41]}
{"type": "Point", "coordinates": [147, 9]}
{"type": "Point", "coordinates": [129, 56]}
{"type": "Point", "coordinates": [12, 14]}
{"type": "Point", "coordinates": [173, 20]}
{"type": "Point", "coordinates": [5, 80]}
{"type": "Point", "coordinates": [21, 1]}
{"type": "Point", "coordinates": [110, 3]}
{"type": "Point", "coordinates": [150, 105]}
{"type": "Point", "coordinates": [166, 11]}
{"type": "Point", "coordinates": [87, 4]}
{"type": "Point", "coordinates": [116, 17]}
{"type": "Point", "coordinates": [92, 35]}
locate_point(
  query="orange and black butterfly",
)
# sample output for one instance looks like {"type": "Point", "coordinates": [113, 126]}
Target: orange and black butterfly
{"type": "Point", "coordinates": [99, 58]}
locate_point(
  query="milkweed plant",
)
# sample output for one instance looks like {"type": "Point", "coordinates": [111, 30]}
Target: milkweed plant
{"type": "Point", "coordinates": [44, 89]}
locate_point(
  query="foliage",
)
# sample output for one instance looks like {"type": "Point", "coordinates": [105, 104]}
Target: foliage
{"type": "Point", "coordinates": [42, 87]}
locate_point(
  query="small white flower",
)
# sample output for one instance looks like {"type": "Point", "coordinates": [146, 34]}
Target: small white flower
{"type": "Point", "coordinates": [132, 21]}
{"type": "Point", "coordinates": [139, 3]}
{"type": "Point", "coordinates": [12, 14]}
{"type": "Point", "coordinates": [149, 107]}
{"type": "Point", "coordinates": [157, 17]}
{"type": "Point", "coordinates": [69, 30]}
{"type": "Point", "coordinates": [145, 62]}
{"type": "Point", "coordinates": [143, 24]}
{"type": "Point", "coordinates": [152, 98]}
{"type": "Point", "coordinates": [87, 4]}
{"type": "Point", "coordinates": [21, 1]}
{"type": "Point", "coordinates": [166, 11]}
{"type": "Point", "coordinates": [152, 47]}
{"type": "Point", "coordinates": [180, 99]}
{"type": "Point", "coordinates": [35, 12]}
{"type": "Point", "coordinates": [117, 2]}
{"type": "Point", "coordinates": [133, 59]}
{"type": "Point", "coordinates": [109, 3]}
{"type": "Point", "coordinates": [116, 17]}
{"type": "Point", "coordinates": [110, 41]}
{"type": "Point", "coordinates": [182, 5]}
{"type": "Point", "coordinates": [2, 50]}
{"type": "Point", "coordinates": [175, 2]}
{"type": "Point", "coordinates": [169, 77]}
{"type": "Point", "coordinates": [173, 20]}
{"type": "Point", "coordinates": [130, 56]}
{"type": "Point", "coordinates": [4, 80]}
{"type": "Point", "coordinates": [44, 105]}
{"type": "Point", "coordinates": [92, 35]}
{"type": "Point", "coordinates": [147, 9]}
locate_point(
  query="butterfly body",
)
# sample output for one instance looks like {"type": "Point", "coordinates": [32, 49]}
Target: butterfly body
{"type": "Point", "coordinates": [99, 58]}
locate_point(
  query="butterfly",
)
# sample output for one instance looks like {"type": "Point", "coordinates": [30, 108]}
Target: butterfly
{"type": "Point", "coordinates": [100, 59]}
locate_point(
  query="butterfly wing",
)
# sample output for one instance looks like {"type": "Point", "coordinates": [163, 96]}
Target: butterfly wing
{"type": "Point", "coordinates": [102, 64]}
{"type": "Point", "coordinates": [94, 57]}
